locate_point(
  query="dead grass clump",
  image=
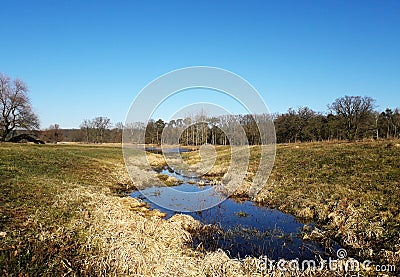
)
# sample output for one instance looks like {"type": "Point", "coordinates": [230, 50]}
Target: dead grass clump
{"type": "Point", "coordinates": [156, 213]}
{"type": "Point", "coordinates": [243, 190]}
{"type": "Point", "coordinates": [306, 213]}
{"type": "Point", "coordinates": [344, 220]}
{"type": "Point", "coordinates": [187, 222]}
{"type": "Point", "coordinates": [165, 179]}
{"type": "Point", "coordinates": [141, 178]}
{"type": "Point", "coordinates": [391, 257]}
{"type": "Point", "coordinates": [133, 203]}
{"type": "Point", "coordinates": [127, 243]}
{"type": "Point", "coordinates": [219, 264]}
{"type": "Point", "coordinates": [156, 160]}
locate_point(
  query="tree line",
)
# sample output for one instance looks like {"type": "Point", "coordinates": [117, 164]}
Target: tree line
{"type": "Point", "coordinates": [199, 129]}
{"type": "Point", "coordinates": [349, 118]}
{"type": "Point", "coordinates": [96, 130]}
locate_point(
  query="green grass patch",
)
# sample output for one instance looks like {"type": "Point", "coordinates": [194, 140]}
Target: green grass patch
{"type": "Point", "coordinates": [32, 178]}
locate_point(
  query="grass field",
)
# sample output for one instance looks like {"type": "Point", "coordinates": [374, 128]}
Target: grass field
{"type": "Point", "coordinates": [62, 210]}
{"type": "Point", "coordinates": [62, 214]}
{"type": "Point", "coordinates": [352, 190]}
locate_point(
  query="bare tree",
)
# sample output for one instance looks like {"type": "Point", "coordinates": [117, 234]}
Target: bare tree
{"type": "Point", "coordinates": [355, 111]}
{"type": "Point", "coordinates": [86, 127]}
{"type": "Point", "coordinates": [133, 132]}
{"type": "Point", "coordinates": [100, 125]}
{"type": "Point", "coordinates": [95, 129]}
{"type": "Point", "coordinates": [118, 130]}
{"type": "Point", "coordinates": [15, 107]}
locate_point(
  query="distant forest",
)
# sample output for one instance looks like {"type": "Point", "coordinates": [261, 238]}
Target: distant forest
{"type": "Point", "coordinates": [349, 118]}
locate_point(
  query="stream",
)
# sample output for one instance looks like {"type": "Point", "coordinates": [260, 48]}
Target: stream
{"type": "Point", "coordinates": [242, 227]}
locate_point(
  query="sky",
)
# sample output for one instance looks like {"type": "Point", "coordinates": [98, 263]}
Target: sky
{"type": "Point", "coordinates": [83, 59]}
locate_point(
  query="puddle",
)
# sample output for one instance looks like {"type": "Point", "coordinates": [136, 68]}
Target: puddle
{"type": "Point", "coordinates": [159, 150]}
{"type": "Point", "coordinates": [243, 228]}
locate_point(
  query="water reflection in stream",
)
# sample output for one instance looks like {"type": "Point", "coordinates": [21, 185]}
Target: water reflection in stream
{"type": "Point", "coordinates": [243, 228]}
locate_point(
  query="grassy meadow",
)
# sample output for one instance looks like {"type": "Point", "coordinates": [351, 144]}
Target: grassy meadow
{"type": "Point", "coordinates": [350, 189]}
{"type": "Point", "coordinates": [63, 210]}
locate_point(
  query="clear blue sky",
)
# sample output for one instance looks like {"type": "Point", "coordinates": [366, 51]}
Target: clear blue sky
{"type": "Point", "coordinates": [83, 58]}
